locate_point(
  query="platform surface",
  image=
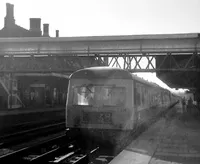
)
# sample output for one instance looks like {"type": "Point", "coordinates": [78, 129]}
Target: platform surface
{"type": "Point", "coordinates": [171, 140]}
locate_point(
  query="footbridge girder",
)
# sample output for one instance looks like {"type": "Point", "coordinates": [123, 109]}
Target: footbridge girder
{"type": "Point", "coordinates": [144, 62]}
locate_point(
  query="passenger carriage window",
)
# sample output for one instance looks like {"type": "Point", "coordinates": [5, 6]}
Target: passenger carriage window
{"type": "Point", "coordinates": [99, 95]}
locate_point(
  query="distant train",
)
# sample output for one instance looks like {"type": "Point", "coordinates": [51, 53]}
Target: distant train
{"type": "Point", "coordinates": [104, 100]}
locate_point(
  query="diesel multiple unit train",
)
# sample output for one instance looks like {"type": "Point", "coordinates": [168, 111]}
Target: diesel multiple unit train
{"type": "Point", "coordinates": [104, 100]}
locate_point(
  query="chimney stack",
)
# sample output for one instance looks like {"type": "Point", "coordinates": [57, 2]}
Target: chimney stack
{"type": "Point", "coordinates": [35, 25]}
{"type": "Point", "coordinates": [46, 30]}
{"type": "Point", "coordinates": [57, 33]}
{"type": "Point", "coordinates": [9, 20]}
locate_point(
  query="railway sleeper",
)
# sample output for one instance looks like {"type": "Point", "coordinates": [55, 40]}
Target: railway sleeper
{"type": "Point", "coordinates": [77, 157]}
{"type": "Point", "coordinates": [33, 150]}
{"type": "Point", "coordinates": [43, 152]}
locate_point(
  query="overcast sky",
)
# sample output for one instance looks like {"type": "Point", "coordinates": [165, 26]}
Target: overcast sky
{"type": "Point", "coordinates": [108, 17]}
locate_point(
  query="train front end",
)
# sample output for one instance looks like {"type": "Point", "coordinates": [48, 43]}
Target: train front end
{"type": "Point", "coordinates": [100, 103]}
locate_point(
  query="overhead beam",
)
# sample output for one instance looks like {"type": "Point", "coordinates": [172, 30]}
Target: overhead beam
{"type": "Point", "coordinates": [156, 44]}
{"type": "Point", "coordinates": [72, 70]}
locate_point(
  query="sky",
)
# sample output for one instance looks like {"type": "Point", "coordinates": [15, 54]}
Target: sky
{"type": "Point", "coordinates": [108, 17]}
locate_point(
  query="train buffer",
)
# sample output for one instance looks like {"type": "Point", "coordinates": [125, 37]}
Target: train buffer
{"type": "Point", "coordinates": [174, 141]}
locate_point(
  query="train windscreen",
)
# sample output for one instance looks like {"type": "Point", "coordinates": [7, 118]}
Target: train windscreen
{"type": "Point", "coordinates": [98, 95]}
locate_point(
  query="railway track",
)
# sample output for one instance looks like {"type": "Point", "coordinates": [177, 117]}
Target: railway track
{"type": "Point", "coordinates": [7, 130]}
{"type": "Point", "coordinates": [62, 149]}
{"type": "Point", "coordinates": [27, 135]}
{"type": "Point", "coordinates": [59, 149]}
{"type": "Point", "coordinates": [56, 150]}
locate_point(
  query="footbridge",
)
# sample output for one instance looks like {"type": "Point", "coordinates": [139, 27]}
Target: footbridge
{"type": "Point", "coordinates": [174, 57]}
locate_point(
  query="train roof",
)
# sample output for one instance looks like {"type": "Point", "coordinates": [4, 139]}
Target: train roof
{"type": "Point", "coordinates": [135, 77]}
{"type": "Point", "coordinates": [101, 73]}
{"type": "Point", "coordinates": [105, 72]}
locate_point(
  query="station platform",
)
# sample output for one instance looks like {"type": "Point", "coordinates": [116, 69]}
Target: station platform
{"type": "Point", "coordinates": [172, 140]}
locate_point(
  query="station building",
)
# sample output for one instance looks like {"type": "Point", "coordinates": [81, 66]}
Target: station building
{"type": "Point", "coordinates": [30, 90]}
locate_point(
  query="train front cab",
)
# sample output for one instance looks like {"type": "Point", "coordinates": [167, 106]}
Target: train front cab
{"type": "Point", "coordinates": [100, 103]}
